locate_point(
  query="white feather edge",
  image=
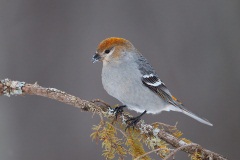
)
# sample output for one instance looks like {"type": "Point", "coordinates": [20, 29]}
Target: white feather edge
{"type": "Point", "coordinates": [154, 84]}
{"type": "Point", "coordinates": [148, 75]}
{"type": "Point", "coordinates": [159, 82]}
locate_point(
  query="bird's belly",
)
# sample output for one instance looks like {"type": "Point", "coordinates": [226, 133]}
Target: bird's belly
{"type": "Point", "coordinates": [131, 92]}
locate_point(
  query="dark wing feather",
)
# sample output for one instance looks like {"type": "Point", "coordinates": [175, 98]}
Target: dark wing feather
{"type": "Point", "coordinates": [156, 85]}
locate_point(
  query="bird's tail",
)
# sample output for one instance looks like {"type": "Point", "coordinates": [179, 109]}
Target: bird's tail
{"type": "Point", "coordinates": [194, 116]}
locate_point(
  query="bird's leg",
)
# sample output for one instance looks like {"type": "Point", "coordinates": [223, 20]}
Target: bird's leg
{"type": "Point", "coordinates": [118, 110]}
{"type": "Point", "coordinates": [134, 120]}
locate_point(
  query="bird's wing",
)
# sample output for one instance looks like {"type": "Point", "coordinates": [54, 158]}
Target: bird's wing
{"type": "Point", "coordinates": [156, 85]}
{"type": "Point", "coordinates": [151, 80]}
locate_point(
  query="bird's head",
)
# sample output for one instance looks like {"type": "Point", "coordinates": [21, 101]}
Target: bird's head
{"type": "Point", "coordinates": [111, 49]}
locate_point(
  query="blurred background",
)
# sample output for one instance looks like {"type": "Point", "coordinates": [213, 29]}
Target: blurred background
{"type": "Point", "coordinates": [193, 45]}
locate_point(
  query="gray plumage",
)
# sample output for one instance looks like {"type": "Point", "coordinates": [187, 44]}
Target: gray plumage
{"type": "Point", "coordinates": [132, 80]}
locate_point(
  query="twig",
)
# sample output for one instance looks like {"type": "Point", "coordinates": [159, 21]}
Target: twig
{"type": "Point", "coordinates": [165, 125]}
{"type": "Point", "coordinates": [8, 88]}
{"type": "Point", "coordinates": [101, 101]}
{"type": "Point", "coordinates": [178, 149]}
{"type": "Point", "coordinates": [118, 130]}
{"type": "Point", "coordinates": [155, 150]}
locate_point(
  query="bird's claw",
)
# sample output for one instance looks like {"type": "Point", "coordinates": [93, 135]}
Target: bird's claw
{"type": "Point", "coordinates": [132, 122]}
{"type": "Point", "coordinates": [118, 110]}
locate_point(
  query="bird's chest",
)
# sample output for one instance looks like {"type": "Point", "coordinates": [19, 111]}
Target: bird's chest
{"type": "Point", "coordinates": [119, 81]}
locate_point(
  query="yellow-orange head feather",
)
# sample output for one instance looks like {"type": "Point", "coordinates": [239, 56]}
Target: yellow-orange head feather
{"type": "Point", "coordinates": [111, 42]}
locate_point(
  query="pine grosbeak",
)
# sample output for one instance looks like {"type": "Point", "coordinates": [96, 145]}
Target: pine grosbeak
{"type": "Point", "coordinates": [127, 76]}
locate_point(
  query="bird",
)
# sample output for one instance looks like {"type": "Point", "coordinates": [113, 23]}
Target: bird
{"type": "Point", "coordinates": [128, 76]}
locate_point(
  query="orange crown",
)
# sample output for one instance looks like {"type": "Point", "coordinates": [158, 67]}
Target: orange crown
{"type": "Point", "coordinates": [112, 41]}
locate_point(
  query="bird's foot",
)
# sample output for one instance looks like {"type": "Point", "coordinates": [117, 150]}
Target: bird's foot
{"type": "Point", "coordinates": [132, 122]}
{"type": "Point", "coordinates": [118, 110]}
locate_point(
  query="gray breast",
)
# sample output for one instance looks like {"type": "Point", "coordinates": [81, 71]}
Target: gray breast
{"type": "Point", "coordinates": [125, 85]}
{"type": "Point", "coordinates": [119, 79]}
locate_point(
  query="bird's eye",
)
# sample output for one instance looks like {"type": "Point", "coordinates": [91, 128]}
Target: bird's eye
{"type": "Point", "coordinates": [107, 51]}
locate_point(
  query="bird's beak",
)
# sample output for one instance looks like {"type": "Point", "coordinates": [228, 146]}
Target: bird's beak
{"type": "Point", "coordinates": [96, 57]}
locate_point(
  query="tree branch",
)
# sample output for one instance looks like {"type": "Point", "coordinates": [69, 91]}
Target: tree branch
{"type": "Point", "coordinates": [8, 87]}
